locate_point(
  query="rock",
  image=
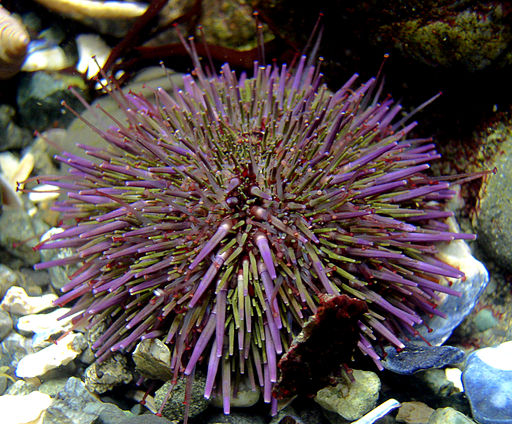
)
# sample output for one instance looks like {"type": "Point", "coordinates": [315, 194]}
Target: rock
{"type": "Point", "coordinates": [174, 407]}
{"type": "Point", "coordinates": [11, 135]}
{"type": "Point", "coordinates": [414, 358]}
{"type": "Point", "coordinates": [145, 419]}
{"type": "Point", "coordinates": [44, 326]}
{"type": "Point", "coordinates": [16, 301]}
{"type": "Point", "coordinates": [21, 388]}
{"type": "Point", "coordinates": [449, 416]}
{"type": "Point", "coordinates": [51, 357]}
{"type": "Point", "coordinates": [5, 324]}
{"type": "Point", "coordinates": [457, 254]}
{"type": "Point", "coordinates": [495, 216]}
{"type": "Point", "coordinates": [24, 409]}
{"type": "Point", "coordinates": [305, 413]}
{"type": "Point", "coordinates": [75, 405]}
{"type": "Point", "coordinates": [244, 398]}
{"type": "Point", "coordinates": [8, 278]}
{"type": "Point", "coordinates": [40, 95]}
{"type": "Point", "coordinates": [13, 348]}
{"type": "Point", "coordinates": [354, 399]}
{"type": "Point", "coordinates": [487, 380]}
{"type": "Point", "coordinates": [104, 376]}
{"type": "Point", "coordinates": [437, 382]}
{"type": "Point", "coordinates": [17, 232]}
{"type": "Point", "coordinates": [414, 413]}
{"type": "Point", "coordinates": [153, 359]}
{"type": "Point", "coordinates": [484, 320]}
{"type": "Point", "coordinates": [53, 387]}
{"type": "Point", "coordinates": [235, 417]}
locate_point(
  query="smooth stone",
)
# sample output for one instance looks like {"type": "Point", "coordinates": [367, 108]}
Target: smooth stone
{"type": "Point", "coordinates": [104, 376]}
{"type": "Point", "coordinates": [457, 254]}
{"type": "Point", "coordinates": [174, 408]}
{"type": "Point", "coordinates": [153, 359]}
{"type": "Point", "coordinates": [487, 379]}
{"type": "Point", "coordinates": [24, 409]}
{"type": "Point", "coordinates": [58, 274]}
{"type": "Point", "coordinates": [8, 278]}
{"type": "Point", "coordinates": [5, 324]}
{"type": "Point", "coordinates": [484, 320]}
{"type": "Point", "coordinates": [437, 382]}
{"type": "Point", "coordinates": [245, 396]}
{"type": "Point", "coordinates": [415, 358]}
{"type": "Point", "coordinates": [53, 387]}
{"type": "Point", "coordinates": [414, 413]}
{"type": "Point", "coordinates": [354, 399]}
{"type": "Point", "coordinates": [60, 353]}
{"type": "Point", "coordinates": [75, 404]}
{"type": "Point", "coordinates": [235, 417]}
{"type": "Point", "coordinates": [21, 388]}
{"type": "Point", "coordinates": [17, 301]}
{"type": "Point", "coordinates": [449, 416]}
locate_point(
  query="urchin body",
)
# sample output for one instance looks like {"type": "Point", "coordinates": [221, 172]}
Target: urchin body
{"type": "Point", "coordinates": [219, 214]}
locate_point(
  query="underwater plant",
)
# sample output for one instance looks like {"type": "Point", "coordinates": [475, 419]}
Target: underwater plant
{"type": "Point", "coordinates": [218, 217]}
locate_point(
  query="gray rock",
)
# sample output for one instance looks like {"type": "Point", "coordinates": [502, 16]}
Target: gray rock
{"type": "Point", "coordinates": [235, 418]}
{"type": "Point", "coordinates": [414, 358]}
{"type": "Point", "coordinates": [174, 408]}
{"type": "Point", "coordinates": [8, 278]}
{"type": "Point", "coordinates": [436, 381]}
{"type": "Point", "coordinates": [5, 324]}
{"type": "Point", "coordinates": [153, 359]}
{"type": "Point", "coordinates": [17, 235]}
{"type": "Point", "coordinates": [449, 416]}
{"type": "Point", "coordinates": [13, 348]}
{"type": "Point", "coordinates": [76, 405]}
{"type": "Point", "coordinates": [11, 135]}
{"type": "Point", "coordinates": [21, 387]}
{"type": "Point", "coordinates": [101, 377]}
{"type": "Point", "coordinates": [495, 216]}
{"type": "Point", "coordinates": [487, 380]}
{"type": "Point", "coordinates": [414, 413]}
{"type": "Point", "coordinates": [53, 387]}
{"type": "Point", "coordinates": [40, 95]}
{"type": "Point", "coordinates": [145, 419]}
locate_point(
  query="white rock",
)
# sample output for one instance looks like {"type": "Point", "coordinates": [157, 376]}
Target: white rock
{"type": "Point", "coordinates": [92, 51]}
{"type": "Point", "coordinates": [497, 357]}
{"type": "Point", "coordinates": [43, 192]}
{"type": "Point", "coordinates": [51, 357]}
{"type": "Point", "coordinates": [17, 301]}
{"type": "Point", "coordinates": [24, 409]}
{"type": "Point", "coordinates": [50, 59]}
{"type": "Point", "coordinates": [44, 325]}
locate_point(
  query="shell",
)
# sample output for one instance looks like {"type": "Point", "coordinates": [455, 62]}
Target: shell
{"type": "Point", "coordinates": [14, 41]}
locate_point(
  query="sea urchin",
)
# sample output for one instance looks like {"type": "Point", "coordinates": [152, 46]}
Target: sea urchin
{"type": "Point", "coordinates": [216, 218]}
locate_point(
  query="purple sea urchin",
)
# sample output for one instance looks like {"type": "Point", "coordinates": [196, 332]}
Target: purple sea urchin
{"type": "Point", "coordinates": [218, 215]}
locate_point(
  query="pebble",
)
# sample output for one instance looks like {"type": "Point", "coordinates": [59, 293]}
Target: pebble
{"type": "Point", "coordinates": [147, 419]}
{"type": "Point", "coordinates": [449, 416]}
{"type": "Point", "coordinates": [11, 135]}
{"type": "Point", "coordinates": [487, 379]}
{"type": "Point", "coordinates": [414, 358]}
{"type": "Point", "coordinates": [60, 353]}
{"type": "Point", "coordinates": [414, 413]}
{"type": "Point", "coordinates": [18, 235]}
{"type": "Point", "coordinates": [17, 301]}
{"type": "Point", "coordinates": [244, 398]}
{"type": "Point", "coordinates": [13, 348]}
{"type": "Point", "coordinates": [24, 409]}
{"type": "Point", "coordinates": [351, 400]}
{"type": "Point", "coordinates": [92, 51]}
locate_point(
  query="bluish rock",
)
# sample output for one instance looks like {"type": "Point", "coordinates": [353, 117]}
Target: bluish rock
{"type": "Point", "coordinates": [415, 358]}
{"type": "Point", "coordinates": [487, 379]}
{"type": "Point", "coordinates": [455, 308]}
